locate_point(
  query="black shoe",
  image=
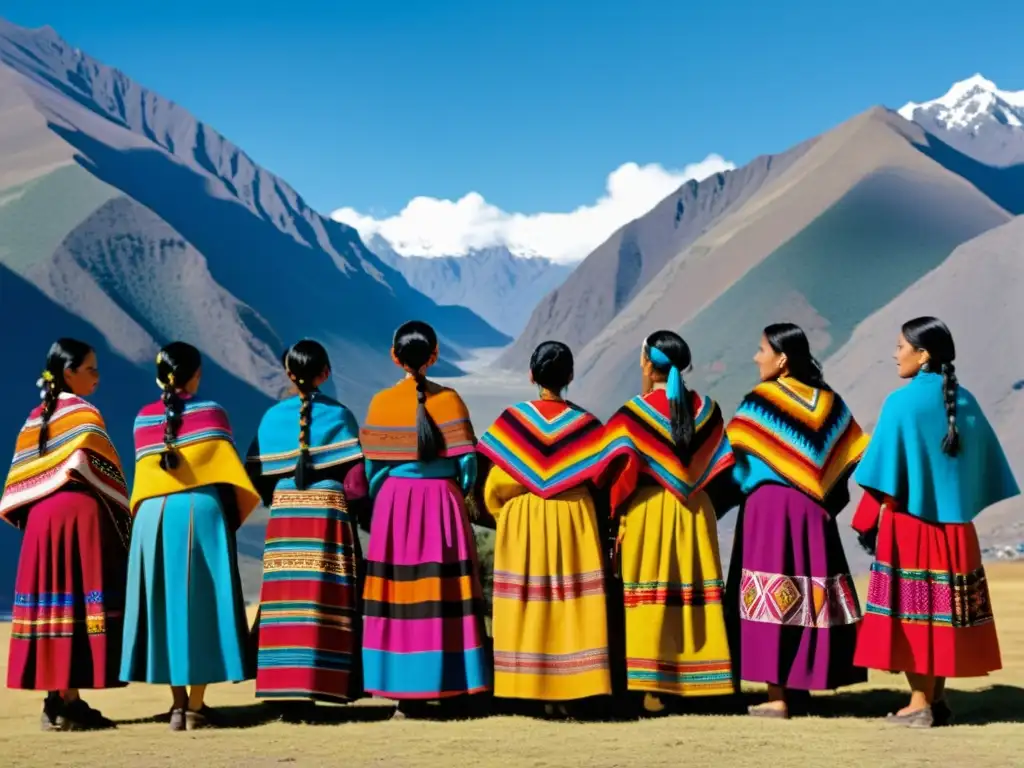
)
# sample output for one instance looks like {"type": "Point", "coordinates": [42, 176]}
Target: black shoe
{"type": "Point", "coordinates": [79, 716]}
{"type": "Point", "coordinates": [52, 706]}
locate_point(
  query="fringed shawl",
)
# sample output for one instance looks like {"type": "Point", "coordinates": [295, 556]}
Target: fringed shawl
{"type": "Point", "coordinates": [548, 447]}
{"type": "Point", "coordinates": [389, 433]}
{"type": "Point", "coordinates": [206, 453]}
{"type": "Point", "coordinates": [905, 459]}
{"type": "Point", "coordinates": [333, 438]}
{"type": "Point", "coordinates": [77, 449]}
{"type": "Point", "coordinates": [637, 442]}
{"type": "Point", "coordinates": [788, 433]}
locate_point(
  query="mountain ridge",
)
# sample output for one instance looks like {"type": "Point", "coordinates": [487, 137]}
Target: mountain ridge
{"type": "Point", "coordinates": [494, 283]}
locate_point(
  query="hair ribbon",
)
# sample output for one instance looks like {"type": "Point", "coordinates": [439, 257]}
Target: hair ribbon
{"type": "Point", "coordinates": [674, 383]}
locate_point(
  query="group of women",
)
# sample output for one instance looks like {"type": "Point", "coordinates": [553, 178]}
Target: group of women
{"type": "Point", "coordinates": [607, 572]}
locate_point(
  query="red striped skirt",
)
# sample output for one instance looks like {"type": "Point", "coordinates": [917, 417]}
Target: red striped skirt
{"type": "Point", "coordinates": [68, 613]}
{"type": "Point", "coordinates": [928, 607]}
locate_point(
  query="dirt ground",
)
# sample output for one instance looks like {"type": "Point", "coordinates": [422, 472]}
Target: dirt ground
{"type": "Point", "coordinates": [844, 731]}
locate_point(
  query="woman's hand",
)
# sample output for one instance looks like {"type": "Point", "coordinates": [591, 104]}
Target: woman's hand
{"type": "Point", "coordinates": [869, 541]}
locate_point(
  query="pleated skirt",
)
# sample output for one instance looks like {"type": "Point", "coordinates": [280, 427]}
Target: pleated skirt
{"type": "Point", "coordinates": [69, 594]}
{"type": "Point", "coordinates": [550, 621]}
{"type": "Point", "coordinates": [928, 609]}
{"type": "Point", "coordinates": [423, 630]}
{"type": "Point", "coordinates": [676, 640]}
{"type": "Point", "coordinates": [185, 618]}
{"type": "Point", "coordinates": [309, 618]}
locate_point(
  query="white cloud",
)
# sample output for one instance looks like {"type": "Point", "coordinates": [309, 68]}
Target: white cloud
{"type": "Point", "coordinates": [428, 226]}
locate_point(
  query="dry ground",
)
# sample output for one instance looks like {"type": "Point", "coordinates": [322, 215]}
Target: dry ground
{"type": "Point", "coordinates": [846, 732]}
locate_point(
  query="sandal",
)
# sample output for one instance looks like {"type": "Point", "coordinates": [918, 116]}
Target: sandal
{"type": "Point", "coordinates": [178, 719]}
{"type": "Point", "coordinates": [919, 718]}
{"type": "Point", "coordinates": [205, 717]}
{"type": "Point", "coordinates": [766, 710]}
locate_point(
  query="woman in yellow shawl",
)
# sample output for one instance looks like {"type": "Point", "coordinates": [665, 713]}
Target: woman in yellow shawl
{"type": "Point", "coordinates": [185, 621]}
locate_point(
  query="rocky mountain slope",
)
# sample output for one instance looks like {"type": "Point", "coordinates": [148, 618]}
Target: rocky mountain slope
{"type": "Point", "coordinates": [127, 222]}
{"type": "Point", "coordinates": [495, 284]}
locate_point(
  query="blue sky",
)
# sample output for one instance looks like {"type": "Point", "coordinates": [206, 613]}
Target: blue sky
{"type": "Point", "coordinates": [530, 103]}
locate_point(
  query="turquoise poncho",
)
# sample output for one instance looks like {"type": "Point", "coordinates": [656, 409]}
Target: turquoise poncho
{"type": "Point", "coordinates": [904, 459]}
{"type": "Point", "coordinates": [333, 439]}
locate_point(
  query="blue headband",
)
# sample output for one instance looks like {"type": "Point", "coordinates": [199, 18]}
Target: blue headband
{"type": "Point", "coordinates": [674, 383]}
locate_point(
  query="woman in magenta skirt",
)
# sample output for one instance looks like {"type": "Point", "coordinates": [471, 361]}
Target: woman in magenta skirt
{"type": "Point", "coordinates": [423, 631]}
{"type": "Point", "coordinates": [67, 493]}
{"type": "Point", "coordinates": [795, 443]}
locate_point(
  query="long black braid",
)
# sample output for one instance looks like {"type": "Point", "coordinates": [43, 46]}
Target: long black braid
{"type": "Point", "coordinates": [950, 387]}
{"type": "Point", "coordinates": [306, 363]}
{"type": "Point", "coordinates": [176, 365]}
{"type": "Point", "coordinates": [929, 334]}
{"type": "Point", "coordinates": [65, 355]}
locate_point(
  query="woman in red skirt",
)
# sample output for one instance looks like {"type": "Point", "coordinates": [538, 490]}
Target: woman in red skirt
{"type": "Point", "coordinates": [934, 462]}
{"type": "Point", "coordinates": [66, 492]}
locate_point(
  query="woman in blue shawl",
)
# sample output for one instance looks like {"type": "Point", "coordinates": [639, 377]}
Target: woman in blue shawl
{"type": "Point", "coordinates": [306, 462]}
{"type": "Point", "coordinates": [934, 462]}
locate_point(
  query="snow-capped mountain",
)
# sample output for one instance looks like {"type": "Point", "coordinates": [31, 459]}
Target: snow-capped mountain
{"type": "Point", "coordinates": [977, 118]}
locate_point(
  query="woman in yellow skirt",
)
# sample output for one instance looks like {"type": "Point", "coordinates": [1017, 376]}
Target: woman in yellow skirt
{"type": "Point", "coordinates": [550, 628]}
{"type": "Point", "coordinates": [668, 463]}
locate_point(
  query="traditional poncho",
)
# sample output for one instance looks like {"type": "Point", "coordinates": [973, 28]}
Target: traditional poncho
{"type": "Point", "coordinates": [205, 449]}
{"type": "Point", "coordinates": [639, 436]}
{"type": "Point", "coordinates": [788, 433]}
{"type": "Point", "coordinates": [389, 433]}
{"type": "Point", "coordinates": [548, 447]}
{"type": "Point", "coordinates": [77, 449]}
{"type": "Point", "coordinates": [905, 459]}
{"type": "Point", "coordinates": [333, 438]}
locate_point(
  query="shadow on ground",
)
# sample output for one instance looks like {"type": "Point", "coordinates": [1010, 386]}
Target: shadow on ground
{"type": "Point", "coordinates": [996, 704]}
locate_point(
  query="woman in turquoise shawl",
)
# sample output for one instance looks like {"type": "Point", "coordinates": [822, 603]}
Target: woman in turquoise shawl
{"type": "Point", "coordinates": [934, 462]}
{"type": "Point", "coordinates": [306, 462]}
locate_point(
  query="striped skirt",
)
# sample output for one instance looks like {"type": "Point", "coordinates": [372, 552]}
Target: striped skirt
{"type": "Point", "coordinates": [68, 609]}
{"type": "Point", "coordinates": [423, 609]}
{"type": "Point", "coordinates": [672, 584]}
{"type": "Point", "coordinates": [928, 608]}
{"type": "Point", "coordinates": [308, 623]}
{"type": "Point", "coordinates": [550, 623]}
{"type": "Point", "coordinates": [185, 615]}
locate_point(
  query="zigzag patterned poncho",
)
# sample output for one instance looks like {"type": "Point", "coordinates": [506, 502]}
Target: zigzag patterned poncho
{"type": "Point", "coordinates": [788, 433]}
{"type": "Point", "coordinates": [206, 450]}
{"type": "Point", "coordinates": [637, 442]}
{"type": "Point", "coordinates": [547, 446]}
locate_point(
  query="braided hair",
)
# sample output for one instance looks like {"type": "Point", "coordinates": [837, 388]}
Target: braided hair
{"type": "Point", "coordinates": [305, 362]}
{"type": "Point", "coordinates": [176, 365]}
{"type": "Point", "coordinates": [929, 334]}
{"type": "Point", "coordinates": [65, 355]}
{"type": "Point", "coordinates": [670, 355]}
{"type": "Point", "coordinates": [790, 340]}
{"type": "Point", "coordinates": [415, 348]}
